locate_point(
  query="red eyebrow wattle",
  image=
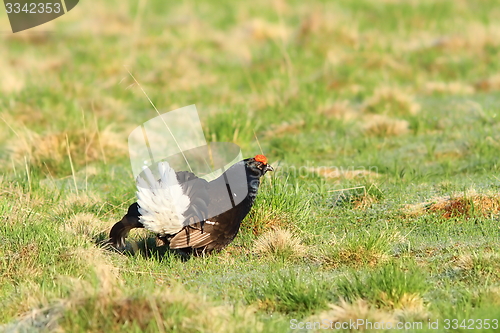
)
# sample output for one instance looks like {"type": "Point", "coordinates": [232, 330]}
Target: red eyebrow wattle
{"type": "Point", "coordinates": [261, 158]}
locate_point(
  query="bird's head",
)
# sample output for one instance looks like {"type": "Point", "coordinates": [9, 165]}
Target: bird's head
{"type": "Point", "coordinates": [258, 165]}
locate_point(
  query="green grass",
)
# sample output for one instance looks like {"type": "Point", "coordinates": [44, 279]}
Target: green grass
{"type": "Point", "coordinates": [385, 286]}
{"type": "Point", "coordinates": [291, 292]}
{"type": "Point", "coordinates": [380, 118]}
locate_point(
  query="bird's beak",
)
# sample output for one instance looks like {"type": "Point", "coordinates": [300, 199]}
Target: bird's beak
{"type": "Point", "coordinates": [268, 168]}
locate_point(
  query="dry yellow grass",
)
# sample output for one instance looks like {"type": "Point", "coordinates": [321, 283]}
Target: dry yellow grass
{"type": "Point", "coordinates": [458, 205]}
{"type": "Point", "coordinates": [382, 125]}
{"type": "Point", "coordinates": [355, 199]}
{"type": "Point", "coordinates": [338, 173]}
{"type": "Point", "coordinates": [491, 83]}
{"type": "Point", "coordinates": [372, 123]}
{"type": "Point", "coordinates": [359, 309]}
{"type": "Point", "coordinates": [485, 263]}
{"type": "Point", "coordinates": [448, 88]}
{"type": "Point", "coordinates": [391, 101]}
{"type": "Point", "coordinates": [358, 256]}
{"type": "Point", "coordinates": [464, 261]}
{"type": "Point", "coordinates": [411, 307]}
{"type": "Point", "coordinates": [340, 110]}
{"type": "Point", "coordinates": [279, 243]}
{"type": "Point", "coordinates": [364, 201]}
{"type": "Point", "coordinates": [465, 205]}
{"type": "Point", "coordinates": [84, 225]}
{"type": "Point", "coordinates": [49, 151]}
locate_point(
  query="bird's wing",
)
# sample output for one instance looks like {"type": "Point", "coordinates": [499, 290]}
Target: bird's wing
{"type": "Point", "coordinates": [197, 191]}
{"type": "Point", "coordinates": [224, 215]}
{"type": "Point", "coordinates": [217, 232]}
{"type": "Point", "coordinates": [192, 236]}
{"type": "Point", "coordinates": [162, 202]}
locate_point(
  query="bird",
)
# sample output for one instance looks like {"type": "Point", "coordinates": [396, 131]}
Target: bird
{"type": "Point", "coordinates": [188, 213]}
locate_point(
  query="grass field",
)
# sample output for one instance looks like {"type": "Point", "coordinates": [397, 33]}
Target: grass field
{"type": "Point", "coordinates": [381, 119]}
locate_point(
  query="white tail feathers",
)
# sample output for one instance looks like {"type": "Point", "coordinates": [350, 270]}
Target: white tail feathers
{"type": "Point", "coordinates": [161, 202]}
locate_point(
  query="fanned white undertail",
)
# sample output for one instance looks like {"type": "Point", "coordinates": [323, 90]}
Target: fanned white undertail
{"type": "Point", "coordinates": [162, 202]}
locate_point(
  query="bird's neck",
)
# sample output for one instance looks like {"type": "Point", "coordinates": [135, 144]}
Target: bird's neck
{"type": "Point", "coordinates": [253, 188]}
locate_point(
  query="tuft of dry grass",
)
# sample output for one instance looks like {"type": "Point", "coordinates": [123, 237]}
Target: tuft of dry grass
{"type": "Point", "coordinates": [354, 198]}
{"type": "Point", "coordinates": [492, 294]}
{"type": "Point", "coordinates": [464, 262]}
{"type": "Point", "coordinates": [458, 205]}
{"type": "Point", "coordinates": [491, 83]}
{"type": "Point", "coordinates": [279, 243]}
{"type": "Point", "coordinates": [31, 296]}
{"type": "Point", "coordinates": [412, 307]}
{"type": "Point", "coordinates": [47, 317]}
{"type": "Point", "coordinates": [108, 276]}
{"type": "Point", "coordinates": [360, 255]}
{"type": "Point", "coordinates": [85, 225]}
{"type": "Point", "coordinates": [263, 220]}
{"type": "Point", "coordinates": [391, 101]}
{"type": "Point", "coordinates": [359, 309]}
{"type": "Point", "coordinates": [448, 88]}
{"type": "Point", "coordinates": [376, 117]}
{"type": "Point", "coordinates": [481, 264]}
{"type": "Point", "coordinates": [414, 210]}
{"type": "Point", "coordinates": [340, 110]}
{"type": "Point", "coordinates": [409, 306]}
{"type": "Point", "coordinates": [261, 30]}
{"type": "Point", "coordinates": [382, 125]}
{"type": "Point", "coordinates": [364, 201]}
{"type": "Point", "coordinates": [473, 39]}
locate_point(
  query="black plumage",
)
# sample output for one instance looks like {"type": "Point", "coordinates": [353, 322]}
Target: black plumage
{"type": "Point", "coordinates": [212, 221]}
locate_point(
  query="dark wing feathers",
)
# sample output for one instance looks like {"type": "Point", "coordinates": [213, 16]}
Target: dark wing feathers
{"type": "Point", "coordinates": [223, 226]}
{"type": "Point", "coordinates": [192, 236]}
{"type": "Point", "coordinates": [197, 191]}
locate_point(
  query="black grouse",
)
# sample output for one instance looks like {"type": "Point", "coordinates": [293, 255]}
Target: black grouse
{"type": "Point", "coordinates": [189, 213]}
